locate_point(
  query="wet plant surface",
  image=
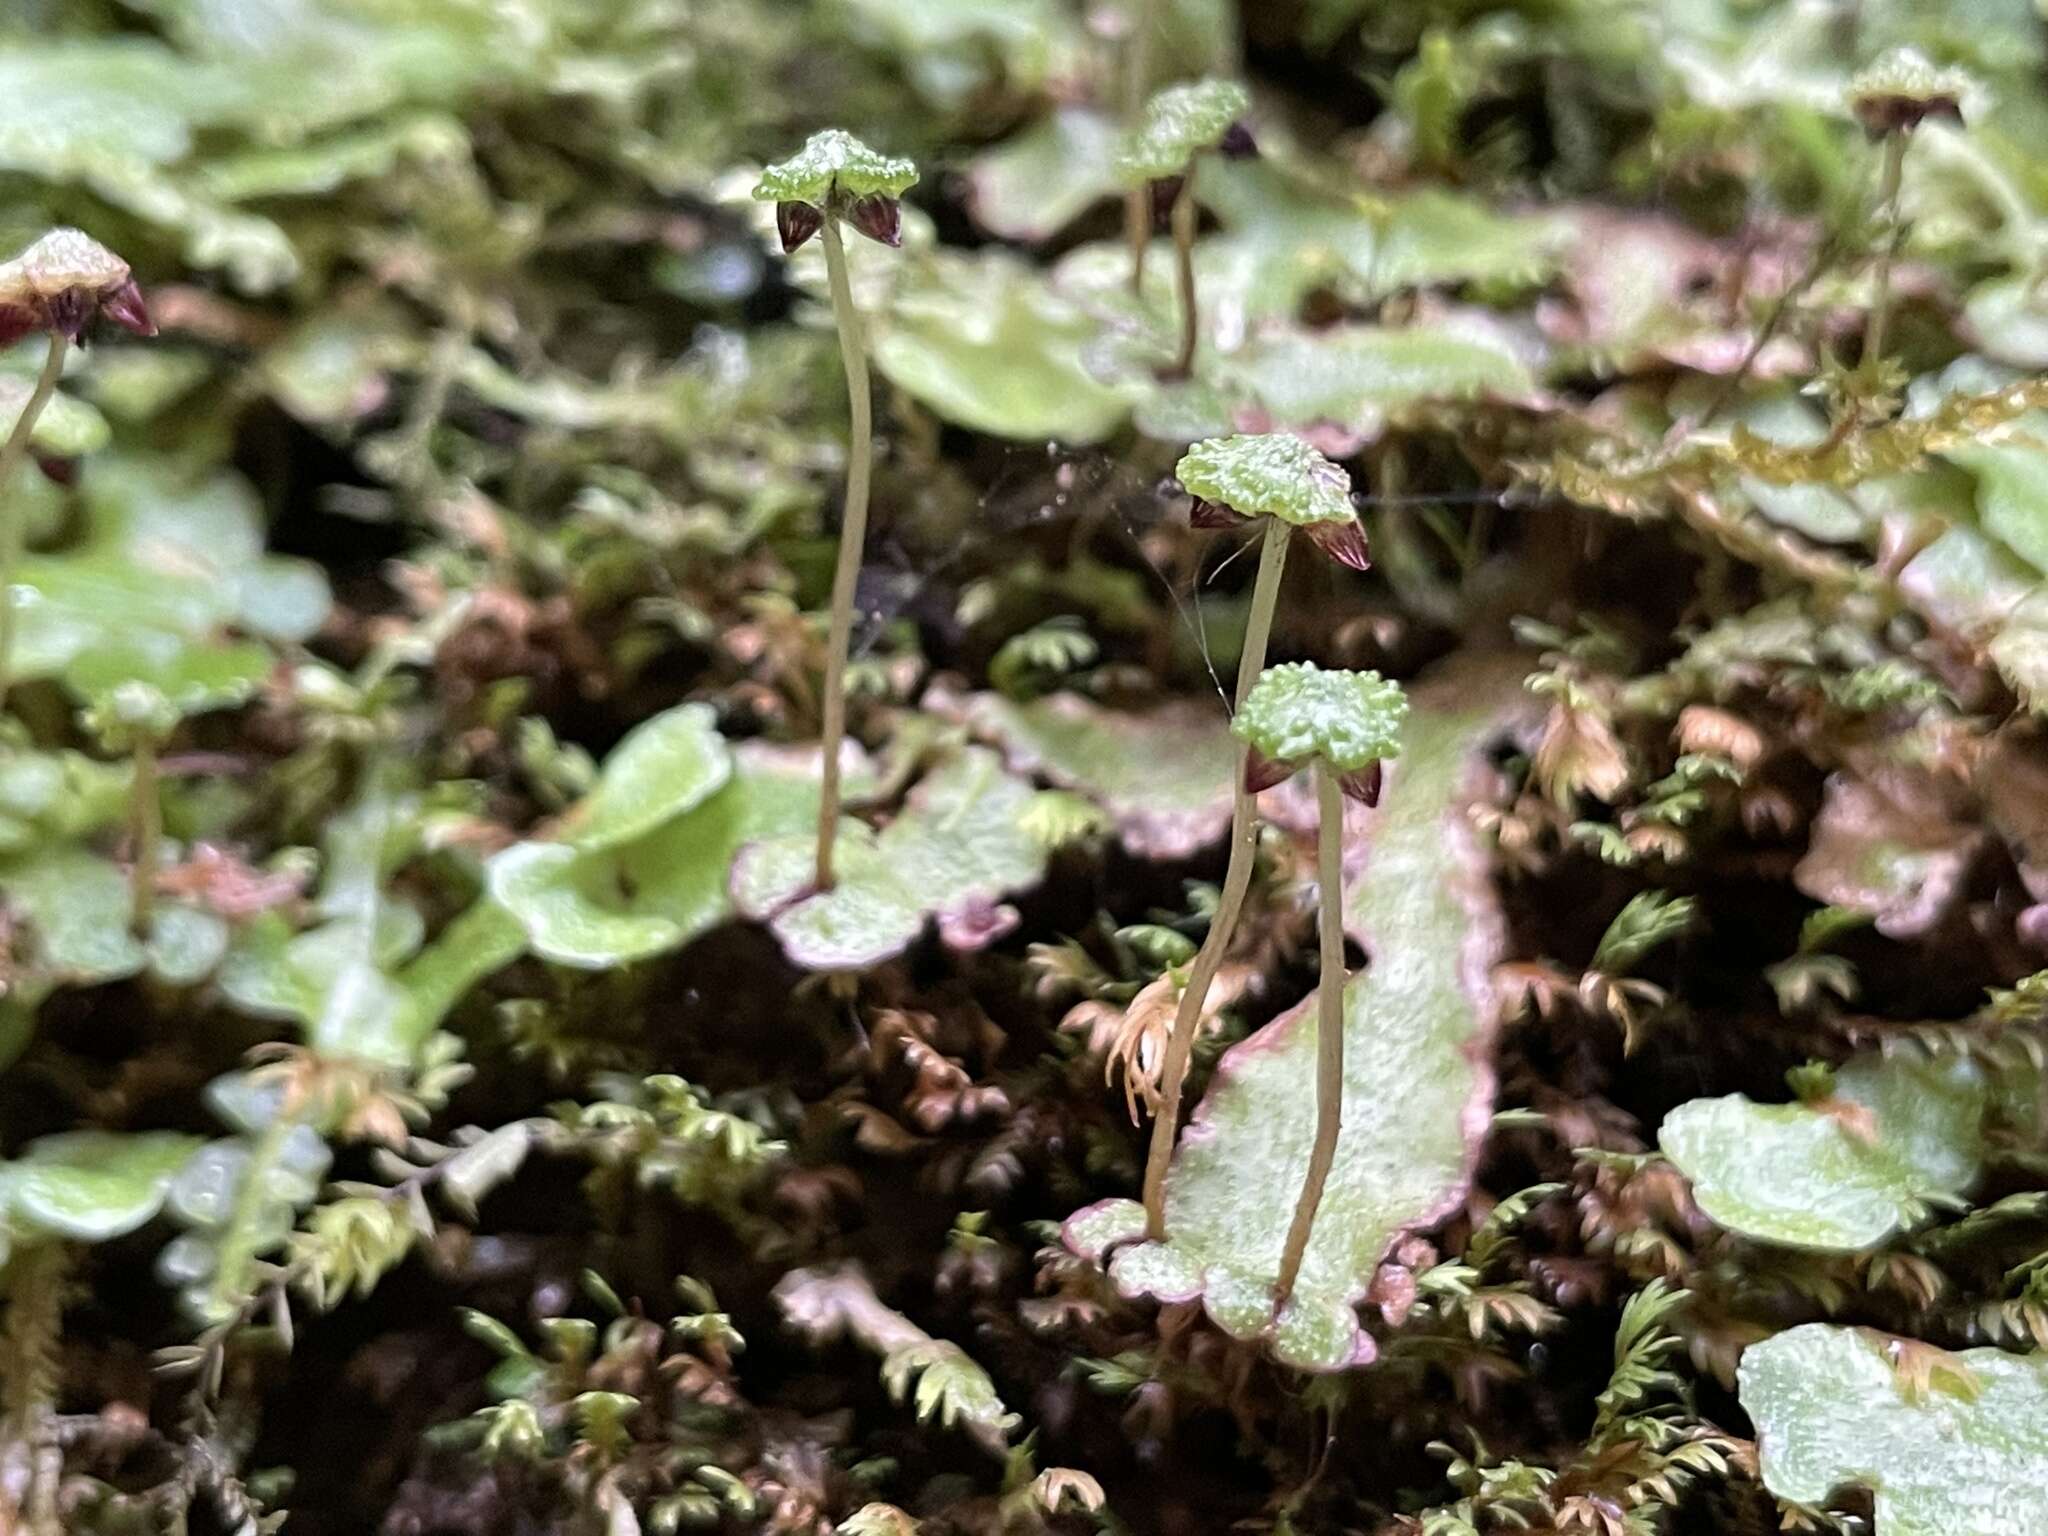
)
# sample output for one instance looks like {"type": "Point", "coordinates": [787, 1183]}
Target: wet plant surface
{"type": "Point", "coordinates": [1316, 803]}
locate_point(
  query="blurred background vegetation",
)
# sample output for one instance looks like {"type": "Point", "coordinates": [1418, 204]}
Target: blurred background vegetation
{"type": "Point", "coordinates": [421, 1142]}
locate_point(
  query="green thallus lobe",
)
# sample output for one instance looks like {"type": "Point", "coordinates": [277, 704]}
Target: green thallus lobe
{"type": "Point", "coordinates": [136, 718]}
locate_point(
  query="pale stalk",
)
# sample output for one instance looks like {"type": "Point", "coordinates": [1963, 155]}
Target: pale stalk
{"type": "Point", "coordinates": [1138, 234]}
{"type": "Point", "coordinates": [146, 832]}
{"type": "Point", "coordinates": [1881, 304]}
{"type": "Point", "coordinates": [1137, 76]}
{"type": "Point", "coordinates": [1184, 269]}
{"type": "Point", "coordinates": [853, 530]}
{"type": "Point", "coordinates": [1329, 1027]}
{"type": "Point", "coordinates": [242, 1239]}
{"type": "Point", "coordinates": [12, 531]}
{"type": "Point", "coordinates": [1237, 879]}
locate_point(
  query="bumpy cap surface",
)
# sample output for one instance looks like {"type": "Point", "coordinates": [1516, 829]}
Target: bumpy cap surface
{"type": "Point", "coordinates": [1902, 90]}
{"type": "Point", "coordinates": [61, 282]}
{"type": "Point", "coordinates": [1268, 474]}
{"type": "Point", "coordinates": [834, 161]}
{"type": "Point", "coordinates": [1297, 712]}
{"type": "Point", "coordinates": [1179, 123]}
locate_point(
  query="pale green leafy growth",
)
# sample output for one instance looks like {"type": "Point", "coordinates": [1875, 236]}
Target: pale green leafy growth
{"type": "Point", "coordinates": [59, 891]}
{"type": "Point", "coordinates": [1642, 1343]}
{"type": "Point", "coordinates": [332, 366]}
{"type": "Point", "coordinates": [1179, 123]}
{"type": "Point", "coordinates": [644, 865]}
{"type": "Point", "coordinates": [130, 714]}
{"type": "Point", "coordinates": [67, 427]}
{"type": "Point", "coordinates": [1056, 819]}
{"type": "Point", "coordinates": [1951, 1445]}
{"type": "Point", "coordinates": [1097, 1229]}
{"type": "Point", "coordinates": [1886, 846]}
{"type": "Point", "coordinates": [1163, 775]}
{"type": "Point", "coordinates": [1284, 236]}
{"type": "Point", "coordinates": [959, 845]}
{"type": "Point", "coordinates": [1268, 474]}
{"type": "Point", "coordinates": [660, 769]}
{"type": "Point", "coordinates": [1298, 711]}
{"type": "Point", "coordinates": [985, 343]}
{"type": "Point", "coordinates": [1034, 657]}
{"type": "Point", "coordinates": [358, 982]}
{"type": "Point", "coordinates": [2005, 318]}
{"type": "Point", "coordinates": [834, 161]}
{"type": "Point", "coordinates": [68, 111]}
{"type": "Point", "coordinates": [304, 170]}
{"type": "Point", "coordinates": [1973, 586]}
{"type": "Point", "coordinates": [124, 115]}
{"type": "Point", "coordinates": [54, 887]}
{"type": "Point", "coordinates": [1038, 181]}
{"type": "Point", "coordinates": [166, 685]}
{"type": "Point", "coordinates": [1842, 1174]}
{"type": "Point", "coordinates": [88, 1186]}
{"type": "Point", "coordinates": [167, 561]}
{"type": "Point", "coordinates": [954, 49]}
{"type": "Point", "coordinates": [237, 1197]}
{"type": "Point", "coordinates": [64, 891]}
{"type": "Point", "coordinates": [1356, 377]}
{"type": "Point", "coordinates": [1417, 1091]}
{"type": "Point", "coordinates": [1435, 237]}
{"type": "Point", "coordinates": [46, 797]}
{"type": "Point", "coordinates": [2012, 492]}
{"type": "Point", "coordinates": [118, 114]}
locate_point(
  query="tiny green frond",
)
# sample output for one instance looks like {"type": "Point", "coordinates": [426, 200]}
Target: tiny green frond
{"type": "Point", "coordinates": [1179, 123]}
{"type": "Point", "coordinates": [1054, 818]}
{"type": "Point", "coordinates": [1269, 474]}
{"type": "Point", "coordinates": [1044, 651]}
{"type": "Point", "coordinates": [1495, 1234]}
{"type": "Point", "coordinates": [1822, 926]}
{"type": "Point", "coordinates": [1299, 711]}
{"type": "Point", "coordinates": [1642, 1342]}
{"type": "Point", "coordinates": [1651, 918]}
{"type": "Point", "coordinates": [950, 1387]}
{"type": "Point", "coordinates": [2023, 1004]}
{"type": "Point", "coordinates": [834, 161]}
